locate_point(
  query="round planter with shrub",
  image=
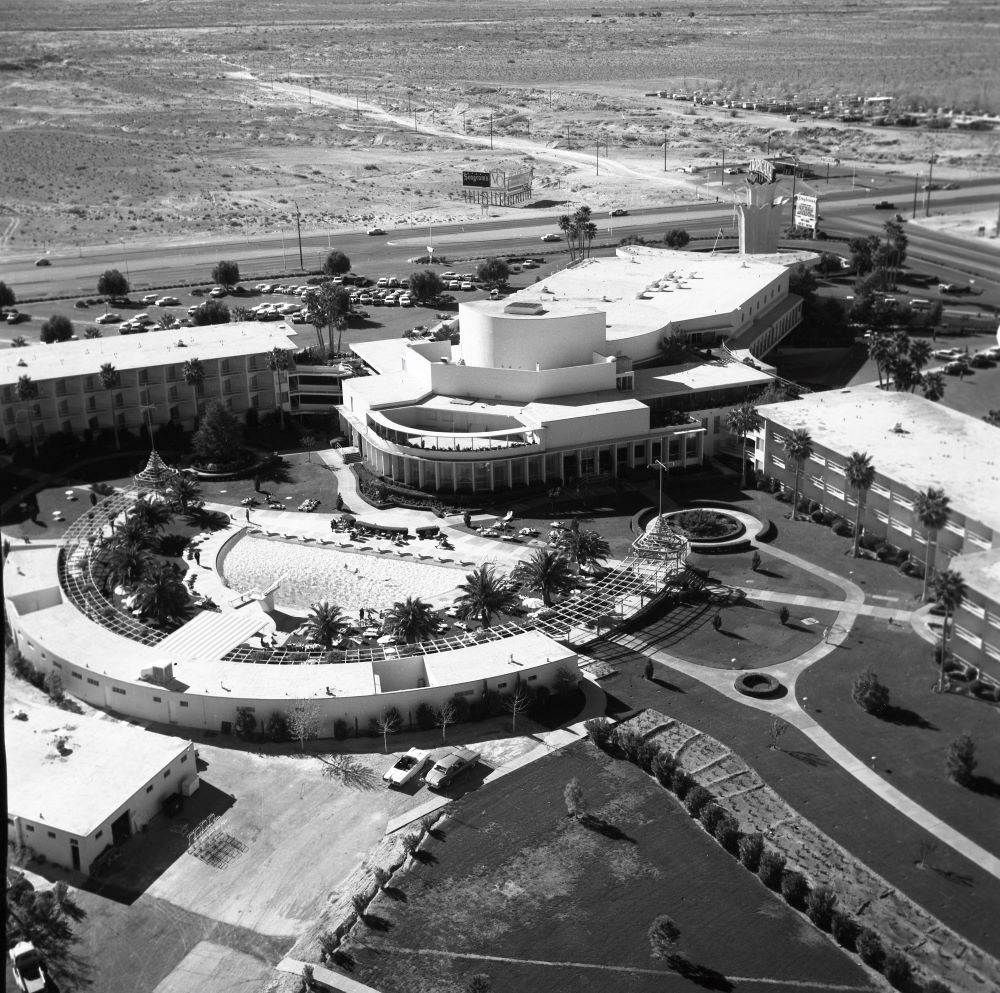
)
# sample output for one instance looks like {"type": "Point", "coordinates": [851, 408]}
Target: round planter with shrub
{"type": "Point", "coordinates": [757, 684]}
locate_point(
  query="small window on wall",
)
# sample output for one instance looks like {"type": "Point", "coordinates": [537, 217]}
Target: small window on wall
{"type": "Point", "coordinates": [58, 665]}
{"type": "Point", "coordinates": [166, 774]}
{"type": "Point", "coordinates": [532, 678]}
{"type": "Point", "coordinates": [157, 699]}
{"type": "Point", "coordinates": [184, 703]}
{"type": "Point", "coordinates": [501, 686]}
{"type": "Point", "coordinates": [118, 689]}
{"type": "Point", "coordinates": [30, 827]}
{"type": "Point", "coordinates": [93, 682]}
{"type": "Point", "coordinates": [149, 788]}
{"type": "Point", "coordinates": [98, 835]}
{"type": "Point", "coordinates": [51, 834]}
{"type": "Point", "coordinates": [184, 758]}
{"type": "Point", "coordinates": [76, 675]}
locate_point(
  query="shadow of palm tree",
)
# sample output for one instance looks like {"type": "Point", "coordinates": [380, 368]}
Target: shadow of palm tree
{"type": "Point", "coordinates": [344, 960]}
{"type": "Point", "coordinates": [424, 856]}
{"type": "Point", "coordinates": [276, 471]}
{"type": "Point", "coordinates": [394, 893]}
{"type": "Point", "coordinates": [600, 826]}
{"type": "Point", "coordinates": [906, 718]}
{"type": "Point", "coordinates": [809, 758]}
{"type": "Point", "coordinates": [349, 772]}
{"type": "Point", "coordinates": [985, 786]}
{"type": "Point", "coordinates": [376, 923]}
{"type": "Point", "coordinates": [206, 520]}
{"type": "Point", "coordinates": [701, 975]}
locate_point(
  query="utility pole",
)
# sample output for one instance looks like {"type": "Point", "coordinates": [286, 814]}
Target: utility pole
{"type": "Point", "coordinates": [298, 228]}
{"type": "Point", "coordinates": [930, 184]}
{"type": "Point", "coordinates": [491, 130]}
{"type": "Point", "coordinates": [916, 188]}
{"type": "Point", "coordinates": [722, 171]}
{"type": "Point", "coordinates": [598, 158]}
{"type": "Point", "coordinates": [795, 176]}
{"type": "Point", "coordinates": [664, 151]}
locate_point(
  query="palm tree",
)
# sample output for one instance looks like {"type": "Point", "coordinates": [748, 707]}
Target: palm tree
{"type": "Point", "coordinates": [19, 341]}
{"type": "Point", "coordinates": [566, 226]}
{"type": "Point", "coordinates": [545, 572]}
{"type": "Point", "coordinates": [860, 475]}
{"type": "Point", "coordinates": [798, 446]}
{"type": "Point", "coordinates": [277, 361]}
{"type": "Point", "coordinates": [162, 596]}
{"type": "Point", "coordinates": [326, 623]}
{"type": "Point", "coordinates": [127, 563]}
{"type": "Point", "coordinates": [154, 515]}
{"type": "Point", "coordinates": [741, 421]}
{"type": "Point", "coordinates": [26, 390]}
{"type": "Point", "coordinates": [583, 548]}
{"type": "Point", "coordinates": [194, 376]}
{"type": "Point", "coordinates": [184, 492]}
{"type": "Point", "coordinates": [484, 594]}
{"type": "Point", "coordinates": [932, 509]}
{"type": "Point", "coordinates": [878, 352]}
{"type": "Point", "coordinates": [920, 352]}
{"type": "Point", "coordinates": [412, 620]}
{"type": "Point", "coordinates": [932, 383]}
{"type": "Point", "coordinates": [134, 530]}
{"type": "Point", "coordinates": [949, 590]}
{"type": "Point", "coordinates": [905, 375]}
{"type": "Point", "coordinates": [111, 379]}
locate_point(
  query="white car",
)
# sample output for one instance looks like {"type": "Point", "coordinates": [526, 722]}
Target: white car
{"type": "Point", "coordinates": [27, 968]}
{"type": "Point", "coordinates": [466, 285]}
{"type": "Point", "coordinates": [217, 292]}
{"type": "Point", "coordinates": [167, 302]}
{"type": "Point", "coordinates": [375, 231]}
{"type": "Point", "coordinates": [407, 767]}
{"type": "Point", "coordinates": [551, 236]}
{"type": "Point", "coordinates": [450, 766]}
{"type": "Point", "coordinates": [109, 319]}
{"type": "Point", "coordinates": [148, 299]}
{"type": "Point", "coordinates": [947, 353]}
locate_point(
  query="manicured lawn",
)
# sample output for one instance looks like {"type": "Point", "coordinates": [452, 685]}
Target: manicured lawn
{"type": "Point", "coordinates": [956, 891]}
{"type": "Point", "coordinates": [910, 743]}
{"type": "Point", "coordinates": [510, 876]}
{"type": "Point", "coordinates": [733, 569]}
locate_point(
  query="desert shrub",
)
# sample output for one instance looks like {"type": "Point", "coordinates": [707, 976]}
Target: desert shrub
{"type": "Point", "coordinates": [411, 842]}
{"type": "Point", "coordinates": [663, 768]}
{"type": "Point", "coordinates": [770, 870]}
{"type": "Point", "coordinates": [727, 834]}
{"type": "Point", "coordinates": [710, 816]}
{"type": "Point", "coordinates": [794, 888]}
{"type": "Point", "coordinates": [897, 968]}
{"type": "Point", "coordinates": [53, 685]}
{"type": "Point", "coordinates": [245, 723]}
{"type": "Point", "coordinates": [696, 800]}
{"type": "Point", "coordinates": [751, 848]}
{"type": "Point", "coordinates": [599, 730]}
{"type": "Point", "coordinates": [844, 929]}
{"type": "Point", "coordinates": [819, 907]}
{"type": "Point", "coordinates": [817, 517]}
{"type": "Point", "coordinates": [477, 711]}
{"type": "Point", "coordinates": [842, 529]}
{"type": "Point", "coordinates": [480, 982]}
{"type": "Point", "coordinates": [814, 507]}
{"type": "Point", "coordinates": [681, 783]}
{"type": "Point", "coordinates": [340, 729]}
{"type": "Point", "coordinates": [425, 717]}
{"type": "Point", "coordinates": [380, 875]}
{"type": "Point", "coordinates": [869, 694]}
{"type": "Point", "coordinates": [276, 727]}
{"type": "Point", "coordinates": [870, 948]}
{"type": "Point", "coordinates": [628, 741]}
{"type": "Point", "coordinates": [645, 754]}
{"type": "Point", "coordinates": [358, 903]}
{"type": "Point", "coordinates": [961, 760]}
{"type": "Point", "coordinates": [327, 947]}
{"type": "Point", "coordinates": [461, 705]}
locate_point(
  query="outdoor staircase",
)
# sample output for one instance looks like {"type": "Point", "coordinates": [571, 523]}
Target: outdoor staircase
{"type": "Point", "coordinates": [350, 455]}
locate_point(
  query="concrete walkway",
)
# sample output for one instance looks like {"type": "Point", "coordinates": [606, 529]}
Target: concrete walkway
{"type": "Point", "coordinates": [789, 708]}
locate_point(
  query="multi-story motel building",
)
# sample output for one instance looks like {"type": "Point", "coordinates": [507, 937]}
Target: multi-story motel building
{"type": "Point", "coordinates": [914, 444]}
{"type": "Point", "coordinates": [559, 381]}
{"type": "Point", "coordinates": [72, 398]}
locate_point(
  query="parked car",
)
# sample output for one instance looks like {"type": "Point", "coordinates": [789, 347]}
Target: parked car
{"type": "Point", "coordinates": [217, 292]}
{"type": "Point", "coordinates": [375, 231]}
{"type": "Point", "coordinates": [407, 767]}
{"type": "Point", "coordinates": [947, 353]}
{"type": "Point", "coordinates": [551, 236]}
{"type": "Point", "coordinates": [885, 205]}
{"type": "Point", "coordinates": [109, 318]}
{"type": "Point", "coordinates": [26, 964]}
{"type": "Point", "coordinates": [528, 264]}
{"type": "Point", "coordinates": [17, 316]}
{"type": "Point", "coordinates": [447, 768]}
{"type": "Point", "coordinates": [42, 261]}
{"type": "Point", "coordinates": [148, 299]}
{"type": "Point", "coordinates": [167, 302]}
{"type": "Point", "coordinates": [619, 212]}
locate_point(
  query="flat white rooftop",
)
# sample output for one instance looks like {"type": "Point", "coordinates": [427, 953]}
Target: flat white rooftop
{"type": "Point", "coordinates": [696, 377]}
{"type": "Point", "coordinates": [934, 446]}
{"type": "Point", "coordinates": [494, 658]}
{"type": "Point", "coordinates": [139, 351]}
{"type": "Point", "coordinates": [108, 762]}
{"type": "Point", "coordinates": [981, 571]}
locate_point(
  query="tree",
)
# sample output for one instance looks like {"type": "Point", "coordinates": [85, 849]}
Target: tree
{"type": "Point", "coordinates": [860, 474]}
{"type": "Point", "coordinates": [675, 347]}
{"type": "Point", "coordinates": [7, 296]}
{"type": "Point", "coordinates": [863, 253]}
{"type": "Point", "coordinates": [798, 446]}
{"type": "Point", "coordinates": [932, 385]}
{"type": "Point", "coordinates": [949, 591]}
{"type": "Point", "coordinates": [443, 716]}
{"type": "Point", "coordinates": [308, 442]}
{"type": "Point", "coordinates": [111, 379]}
{"type": "Point", "coordinates": [56, 328]}
{"type": "Point", "coordinates": [19, 341]}
{"type": "Point", "coordinates": [162, 595]}
{"type": "Point", "coordinates": [194, 375]}
{"type": "Point", "coordinates": [583, 548]}
{"type": "Point", "coordinates": [676, 238]}
{"type": "Point", "coordinates": [905, 375]}
{"type": "Point", "coordinates": [219, 436]}
{"type": "Point", "coordinates": [869, 694]}
{"type": "Point", "coordinates": [134, 529]}
{"type": "Point", "coordinates": [932, 509]}
{"type": "Point", "coordinates": [412, 620]}
{"type": "Point", "coordinates": [920, 352]}
{"type": "Point", "coordinates": [277, 361]}
{"type": "Point", "coordinates": [565, 223]}
{"type": "Point", "coordinates": [26, 390]}
{"type": "Point", "coordinates": [961, 760]}
{"type": "Point", "coordinates": [336, 263]}
{"type": "Point", "coordinates": [127, 562]}
{"type": "Point", "coordinates": [783, 615]}
{"type": "Point", "coordinates": [516, 703]}
{"type": "Point", "coordinates": [879, 353]}
{"type": "Point", "coordinates": [484, 594]}
{"type": "Point", "coordinates": [326, 623]}
{"type": "Point", "coordinates": [493, 272]}
{"type": "Point", "coordinates": [576, 802]}
{"type": "Point", "coordinates": [111, 283]}
{"type": "Point", "coordinates": [226, 274]}
{"type": "Point", "coordinates": [154, 516]}
{"type": "Point", "coordinates": [425, 286]}
{"type": "Point", "coordinates": [184, 492]}
{"type": "Point", "coordinates": [329, 306]}
{"type": "Point", "coordinates": [90, 332]}
{"type": "Point", "coordinates": [663, 937]}
{"type": "Point", "coordinates": [303, 722]}
{"type": "Point", "coordinates": [210, 312]}
{"type": "Point", "coordinates": [776, 729]}
{"type": "Point", "coordinates": [479, 982]}
{"type": "Point", "coordinates": [544, 572]}
{"type": "Point", "coordinates": [743, 420]}
{"type": "Point", "coordinates": [387, 723]}
{"type": "Point", "coordinates": [802, 281]}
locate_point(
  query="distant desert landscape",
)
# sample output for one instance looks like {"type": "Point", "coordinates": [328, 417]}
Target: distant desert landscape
{"type": "Point", "coordinates": [164, 122]}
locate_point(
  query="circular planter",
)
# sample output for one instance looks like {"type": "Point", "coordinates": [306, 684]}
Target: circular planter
{"type": "Point", "coordinates": [757, 684]}
{"type": "Point", "coordinates": [234, 470]}
{"type": "Point", "coordinates": [726, 528]}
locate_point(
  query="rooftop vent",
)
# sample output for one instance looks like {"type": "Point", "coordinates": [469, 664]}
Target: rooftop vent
{"type": "Point", "coordinates": [527, 308]}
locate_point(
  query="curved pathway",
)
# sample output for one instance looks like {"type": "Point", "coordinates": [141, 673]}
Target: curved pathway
{"type": "Point", "coordinates": [789, 708]}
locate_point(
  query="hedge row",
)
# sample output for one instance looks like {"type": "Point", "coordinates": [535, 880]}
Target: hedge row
{"type": "Point", "coordinates": [818, 903]}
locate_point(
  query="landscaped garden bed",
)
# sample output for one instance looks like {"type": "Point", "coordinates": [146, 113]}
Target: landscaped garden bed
{"type": "Point", "coordinates": [757, 684]}
{"type": "Point", "coordinates": [705, 526]}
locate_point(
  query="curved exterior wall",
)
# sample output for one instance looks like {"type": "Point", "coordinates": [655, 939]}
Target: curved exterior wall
{"type": "Point", "coordinates": [517, 341]}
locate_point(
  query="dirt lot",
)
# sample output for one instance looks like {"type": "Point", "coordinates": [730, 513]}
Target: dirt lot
{"type": "Point", "coordinates": [161, 122]}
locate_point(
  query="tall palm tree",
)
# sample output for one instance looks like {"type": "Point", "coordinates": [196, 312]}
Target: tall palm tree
{"type": "Point", "coordinates": [932, 384]}
{"type": "Point", "coordinates": [905, 375]}
{"type": "Point", "coordinates": [798, 446]}
{"type": "Point", "coordinates": [741, 421]}
{"type": "Point", "coordinates": [412, 620]}
{"type": "Point", "coordinates": [155, 516]}
{"type": "Point", "coordinates": [860, 475]}
{"type": "Point", "coordinates": [326, 623]}
{"type": "Point", "coordinates": [184, 492]}
{"type": "Point", "coordinates": [484, 594]}
{"type": "Point", "coordinates": [134, 530]}
{"type": "Point", "coordinates": [127, 562]}
{"type": "Point", "coordinates": [111, 379]}
{"type": "Point", "coordinates": [879, 353]}
{"type": "Point", "coordinates": [277, 361]}
{"type": "Point", "coordinates": [583, 548]}
{"type": "Point", "coordinates": [920, 352]}
{"type": "Point", "coordinates": [567, 227]}
{"type": "Point", "coordinates": [949, 590]}
{"type": "Point", "coordinates": [26, 390]}
{"type": "Point", "coordinates": [932, 508]}
{"type": "Point", "coordinates": [162, 595]}
{"type": "Point", "coordinates": [194, 376]}
{"type": "Point", "coordinates": [544, 572]}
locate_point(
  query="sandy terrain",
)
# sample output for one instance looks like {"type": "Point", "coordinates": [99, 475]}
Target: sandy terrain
{"type": "Point", "coordinates": [124, 121]}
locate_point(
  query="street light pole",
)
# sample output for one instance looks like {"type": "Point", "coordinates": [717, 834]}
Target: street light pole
{"type": "Point", "coordinates": [298, 228]}
{"type": "Point", "coordinates": [658, 464]}
{"type": "Point", "coordinates": [930, 185]}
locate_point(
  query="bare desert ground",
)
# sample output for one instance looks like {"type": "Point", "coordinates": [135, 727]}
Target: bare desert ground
{"type": "Point", "coordinates": [143, 121]}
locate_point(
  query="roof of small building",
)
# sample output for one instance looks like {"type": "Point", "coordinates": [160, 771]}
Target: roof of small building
{"type": "Point", "coordinates": [102, 765]}
{"type": "Point", "coordinates": [696, 377]}
{"type": "Point", "coordinates": [981, 572]}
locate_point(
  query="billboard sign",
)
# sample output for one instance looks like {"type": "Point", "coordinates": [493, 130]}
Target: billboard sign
{"type": "Point", "coordinates": [806, 212]}
{"type": "Point", "coordinates": [519, 181]}
{"type": "Point", "coordinates": [762, 169]}
{"type": "Point", "coordinates": [477, 179]}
